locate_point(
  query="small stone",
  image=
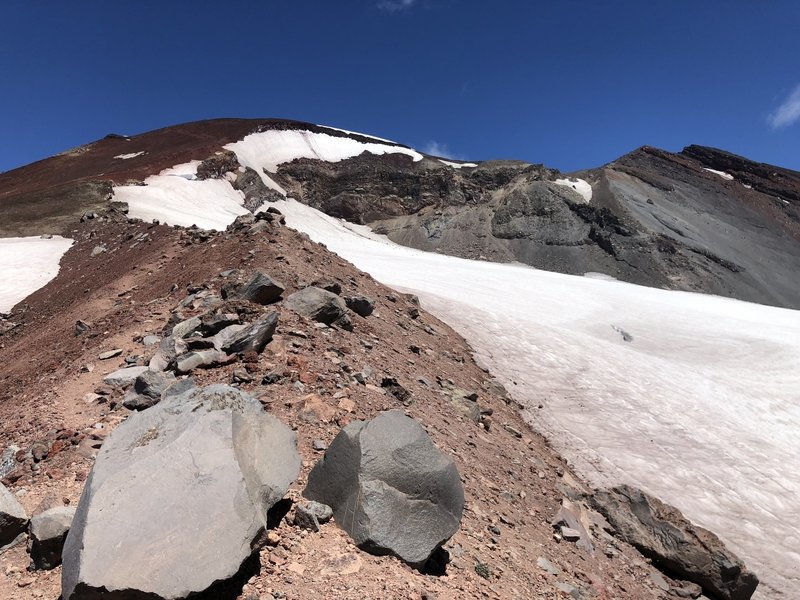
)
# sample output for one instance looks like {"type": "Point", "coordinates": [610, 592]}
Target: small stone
{"type": "Point", "coordinates": [109, 354]}
{"type": "Point", "coordinates": [570, 535]}
{"type": "Point", "coordinates": [319, 445]}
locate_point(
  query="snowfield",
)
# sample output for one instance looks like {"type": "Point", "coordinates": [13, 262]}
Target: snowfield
{"type": "Point", "coordinates": [26, 264]}
{"type": "Point", "coordinates": [130, 155]}
{"type": "Point", "coordinates": [701, 408]}
{"type": "Point", "coordinates": [268, 149]}
{"type": "Point", "coordinates": [175, 197]}
{"type": "Point", "coordinates": [579, 185]}
{"type": "Point", "coordinates": [457, 165]}
{"type": "Point", "coordinates": [723, 174]}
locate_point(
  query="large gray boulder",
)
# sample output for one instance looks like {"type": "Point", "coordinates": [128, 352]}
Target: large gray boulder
{"type": "Point", "coordinates": [262, 289]}
{"type": "Point", "coordinates": [390, 488]}
{"type": "Point", "coordinates": [178, 498]}
{"type": "Point", "coordinates": [13, 519]}
{"type": "Point", "coordinates": [48, 531]}
{"type": "Point", "coordinates": [320, 305]}
{"type": "Point", "coordinates": [675, 545]}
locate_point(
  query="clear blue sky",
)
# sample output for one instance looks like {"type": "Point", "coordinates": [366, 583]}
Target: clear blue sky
{"type": "Point", "coordinates": [571, 84]}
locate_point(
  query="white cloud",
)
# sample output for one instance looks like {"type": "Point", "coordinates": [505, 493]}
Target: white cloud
{"type": "Point", "coordinates": [396, 5]}
{"type": "Point", "coordinates": [788, 113]}
{"type": "Point", "coordinates": [434, 148]}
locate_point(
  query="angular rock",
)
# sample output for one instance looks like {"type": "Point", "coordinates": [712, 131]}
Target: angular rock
{"type": "Point", "coordinates": [309, 516]}
{"type": "Point", "coordinates": [48, 531]}
{"type": "Point", "coordinates": [679, 548]}
{"type": "Point", "coordinates": [262, 289]}
{"type": "Point", "coordinates": [319, 305]}
{"type": "Point", "coordinates": [124, 377]}
{"type": "Point", "coordinates": [254, 337]}
{"type": "Point", "coordinates": [212, 323]}
{"type": "Point", "coordinates": [178, 498]}
{"type": "Point", "coordinates": [187, 328]}
{"type": "Point", "coordinates": [168, 350]}
{"type": "Point", "coordinates": [205, 359]}
{"type": "Point", "coordinates": [389, 487]}
{"type": "Point", "coordinates": [13, 519]}
{"type": "Point", "coordinates": [109, 354]}
{"type": "Point", "coordinates": [361, 305]}
{"type": "Point", "coordinates": [147, 390]}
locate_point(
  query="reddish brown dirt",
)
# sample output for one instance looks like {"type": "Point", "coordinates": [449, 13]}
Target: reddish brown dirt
{"type": "Point", "coordinates": [512, 483]}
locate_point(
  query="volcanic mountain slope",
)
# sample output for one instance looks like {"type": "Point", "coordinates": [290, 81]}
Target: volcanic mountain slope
{"type": "Point", "coordinates": [700, 220]}
{"type": "Point", "coordinates": [55, 408]}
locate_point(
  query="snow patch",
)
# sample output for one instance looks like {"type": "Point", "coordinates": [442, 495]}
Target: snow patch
{"type": "Point", "coordinates": [457, 165]}
{"type": "Point", "coordinates": [700, 408]}
{"type": "Point", "coordinates": [723, 174]}
{"type": "Point", "coordinates": [27, 264]}
{"type": "Point", "coordinates": [269, 149]}
{"type": "Point", "coordinates": [176, 197]}
{"type": "Point", "coordinates": [579, 185]}
{"type": "Point", "coordinates": [131, 155]}
{"type": "Point", "coordinates": [372, 137]}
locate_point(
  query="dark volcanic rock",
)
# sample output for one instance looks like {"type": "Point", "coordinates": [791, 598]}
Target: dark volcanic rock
{"type": "Point", "coordinates": [390, 488]}
{"type": "Point", "coordinates": [13, 519]}
{"type": "Point", "coordinates": [256, 193]}
{"type": "Point", "coordinates": [178, 498]}
{"type": "Point", "coordinates": [254, 337]}
{"type": "Point", "coordinates": [681, 549]}
{"type": "Point", "coordinates": [361, 305]}
{"type": "Point", "coordinates": [262, 289]}
{"type": "Point", "coordinates": [48, 531]}
{"type": "Point", "coordinates": [319, 305]}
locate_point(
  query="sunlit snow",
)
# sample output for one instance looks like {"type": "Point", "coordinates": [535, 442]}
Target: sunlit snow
{"type": "Point", "coordinates": [701, 408]}
{"type": "Point", "coordinates": [175, 197]}
{"type": "Point", "coordinates": [579, 185]}
{"type": "Point", "coordinates": [130, 155]}
{"type": "Point", "coordinates": [457, 165]}
{"type": "Point", "coordinates": [26, 264]}
{"type": "Point", "coordinates": [268, 149]}
{"type": "Point", "coordinates": [722, 174]}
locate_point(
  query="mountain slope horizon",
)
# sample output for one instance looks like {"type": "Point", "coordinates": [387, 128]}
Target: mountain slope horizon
{"type": "Point", "coordinates": [701, 220]}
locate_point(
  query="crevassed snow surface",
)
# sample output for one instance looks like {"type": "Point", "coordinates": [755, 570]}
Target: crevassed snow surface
{"type": "Point", "coordinates": [579, 185]}
{"type": "Point", "coordinates": [722, 174]}
{"type": "Point", "coordinates": [268, 149]}
{"type": "Point", "coordinates": [26, 264]}
{"type": "Point", "coordinates": [702, 408]}
{"type": "Point", "coordinates": [175, 197]}
{"type": "Point", "coordinates": [457, 165]}
{"type": "Point", "coordinates": [130, 155]}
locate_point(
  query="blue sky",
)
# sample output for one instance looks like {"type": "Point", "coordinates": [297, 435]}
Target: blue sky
{"type": "Point", "coordinates": [571, 84]}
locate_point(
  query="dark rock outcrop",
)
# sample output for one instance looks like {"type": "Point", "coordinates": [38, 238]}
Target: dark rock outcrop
{"type": "Point", "coordinates": [390, 488]}
{"type": "Point", "coordinates": [681, 549]}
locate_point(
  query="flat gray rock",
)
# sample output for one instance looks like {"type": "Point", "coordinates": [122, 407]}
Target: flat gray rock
{"type": "Point", "coordinates": [389, 487]}
{"type": "Point", "coordinates": [124, 377]}
{"type": "Point", "coordinates": [186, 363]}
{"type": "Point", "coordinates": [13, 519]}
{"type": "Point", "coordinates": [178, 497]}
{"type": "Point", "coordinates": [48, 531]}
